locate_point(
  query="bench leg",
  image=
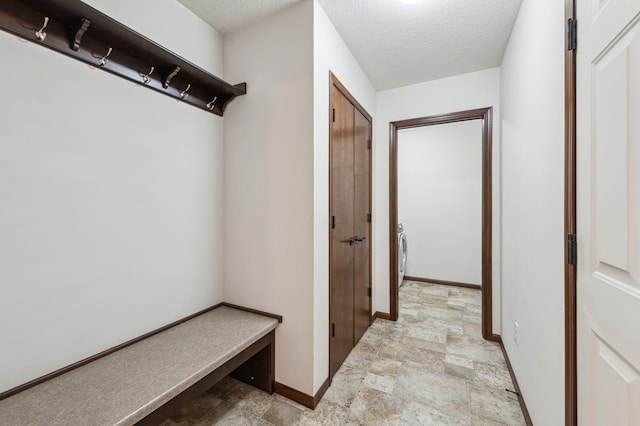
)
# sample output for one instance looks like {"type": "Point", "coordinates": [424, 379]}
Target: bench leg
{"type": "Point", "coordinates": [259, 371]}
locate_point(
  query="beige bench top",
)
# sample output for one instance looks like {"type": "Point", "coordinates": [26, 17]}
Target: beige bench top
{"type": "Point", "coordinates": [125, 386]}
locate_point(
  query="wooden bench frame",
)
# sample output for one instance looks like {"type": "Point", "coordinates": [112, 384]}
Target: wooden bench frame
{"type": "Point", "coordinates": [255, 366]}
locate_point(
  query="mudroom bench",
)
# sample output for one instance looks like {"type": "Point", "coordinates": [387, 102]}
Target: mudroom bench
{"type": "Point", "coordinates": [148, 381]}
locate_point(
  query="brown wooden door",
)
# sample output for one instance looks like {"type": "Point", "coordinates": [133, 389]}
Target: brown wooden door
{"type": "Point", "coordinates": [350, 253]}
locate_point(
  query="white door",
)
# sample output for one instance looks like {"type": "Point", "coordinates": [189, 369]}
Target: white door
{"type": "Point", "coordinates": [608, 215]}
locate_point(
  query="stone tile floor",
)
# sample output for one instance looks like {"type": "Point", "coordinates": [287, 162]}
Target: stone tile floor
{"type": "Point", "coordinates": [431, 367]}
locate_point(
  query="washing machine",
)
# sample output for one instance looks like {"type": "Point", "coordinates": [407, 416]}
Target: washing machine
{"type": "Point", "coordinates": [402, 253]}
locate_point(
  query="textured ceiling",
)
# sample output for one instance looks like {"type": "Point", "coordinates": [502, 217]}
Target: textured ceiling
{"type": "Point", "coordinates": [399, 44]}
{"type": "Point", "coordinates": [396, 44]}
{"type": "Point", "coordinates": [227, 16]}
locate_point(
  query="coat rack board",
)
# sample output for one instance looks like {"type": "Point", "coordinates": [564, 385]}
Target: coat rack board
{"type": "Point", "coordinates": [75, 29]}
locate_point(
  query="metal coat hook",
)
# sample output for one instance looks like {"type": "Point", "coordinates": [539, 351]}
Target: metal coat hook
{"type": "Point", "coordinates": [81, 28]}
{"type": "Point", "coordinates": [40, 34]}
{"type": "Point", "coordinates": [173, 73]}
{"type": "Point", "coordinates": [184, 94]}
{"type": "Point", "coordinates": [145, 77]}
{"type": "Point", "coordinates": [210, 105]}
{"type": "Point", "coordinates": [104, 61]}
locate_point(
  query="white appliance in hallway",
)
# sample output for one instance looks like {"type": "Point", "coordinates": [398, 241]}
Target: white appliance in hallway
{"type": "Point", "coordinates": [402, 253]}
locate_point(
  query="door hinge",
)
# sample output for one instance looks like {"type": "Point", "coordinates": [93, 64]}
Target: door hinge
{"type": "Point", "coordinates": [572, 249]}
{"type": "Point", "coordinates": [333, 115]}
{"type": "Point", "coordinates": [572, 34]}
{"type": "Point", "coordinates": [369, 291]}
{"type": "Point", "coordinates": [333, 329]}
{"type": "Point", "coordinates": [333, 222]}
{"type": "Point", "coordinates": [369, 144]}
{"type": "Point", "coordinates": [369, 217]}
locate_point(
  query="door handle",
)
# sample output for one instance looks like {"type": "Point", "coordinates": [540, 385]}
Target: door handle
{"type": "Point", "coordinates": [355, 240]}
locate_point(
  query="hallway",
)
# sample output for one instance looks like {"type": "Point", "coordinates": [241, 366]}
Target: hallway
{"type": "Point", "coordinates": [432, 367]}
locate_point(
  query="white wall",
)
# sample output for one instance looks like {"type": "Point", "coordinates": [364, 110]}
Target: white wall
{"type": "Point", "coordinates": [329, 54]}
{"type": "Point", "coordinates": [440, 200]}
{"type": "Point", "coordinates": [268, 181]}
{"type": "Point", "coordinates": [276, 179]}
{"type": "Point", "coordinates": [468, 91]}
{"type": "Point", "coordinates": [532, 186]}
{"type": "Point", "coordinates": [111, 195]}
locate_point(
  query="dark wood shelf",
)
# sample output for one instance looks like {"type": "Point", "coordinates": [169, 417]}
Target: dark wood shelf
{"type": "Point", "coordinates": [79, 31]}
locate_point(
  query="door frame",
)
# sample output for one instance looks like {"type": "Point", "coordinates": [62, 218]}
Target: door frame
{"type": "Point", "coordinates": [570, 270]}
{"type": "Point", "coordinates": [333, 81]}
{"type": "Point", "coordinates": [486, 115]}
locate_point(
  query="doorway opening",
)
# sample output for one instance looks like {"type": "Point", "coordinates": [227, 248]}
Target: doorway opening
{"type": "Point", "coordinates": [484, 114]}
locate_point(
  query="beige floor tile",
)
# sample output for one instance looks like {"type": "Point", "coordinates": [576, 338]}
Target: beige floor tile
{"type": "Point", "coordinates": [442, 392]}
{"type": "Point", "coordinates": [495, 405]}
{"type": "Point", "coordinates": [282, 414]}
{"type": "Point", "coordinates": [473, 318]}
{"type": "Point", "coordinates": [243, 396]}
{"type": "Point", "coordinates": [229, 415]}
{"type": "Point", "coordinates": [473, 308]}
{"type": "Point", "coordinates": [345, 386]}
{"type": "Point", "coordinates": [374, 338]}
{"type": "Point", "coordinates": [492, 376]}
{"type": "Point", "coordinates": [451, 316]}
{"type": "Point", "coordinates": [281, 398]}
{"type": "Point", "coordinates": [444, 326]}
{"type": "Point", "coordinates": [416, 305]}
{"type": "Point", "coordinates": [362, 355]}
{"type": "Point", "coordinates": [382, 325]}
{"type": "Point", "coordinates": [409, 320]}
{"type": "Point", "coordinates": [381, 383]}
{"type": "Point", "coordinates": [476, 349]}
{"type": "Point", "coordinates": [464, 297]}
{"type": "Point", "coordinates": [424, 344]}
{"type": "Point", "coordinates": [427, 333]}
{"type": "Point", "coordinates": [385, 367]}
{"type": "Point", "coordinates": [400, 351]}
{"type": "Point", "coordinates": [327, 413]}
{"type": "Point", "coordinates": [420, 414]}
{"type": "Point", "coordinates": [472, 330]}
{"type": "Point", "coordinates": [372, 407]}
{"type": "Point", "coordinates": [458, 366]}
{"type": "Point", "coordinates": [429, 300]}
{"type": "Point", "coordinates": [478, 421]}
{"type": "Point", "coordinates": [456, 304]}
{"type": "Point", "coordinates": [434, 290]}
